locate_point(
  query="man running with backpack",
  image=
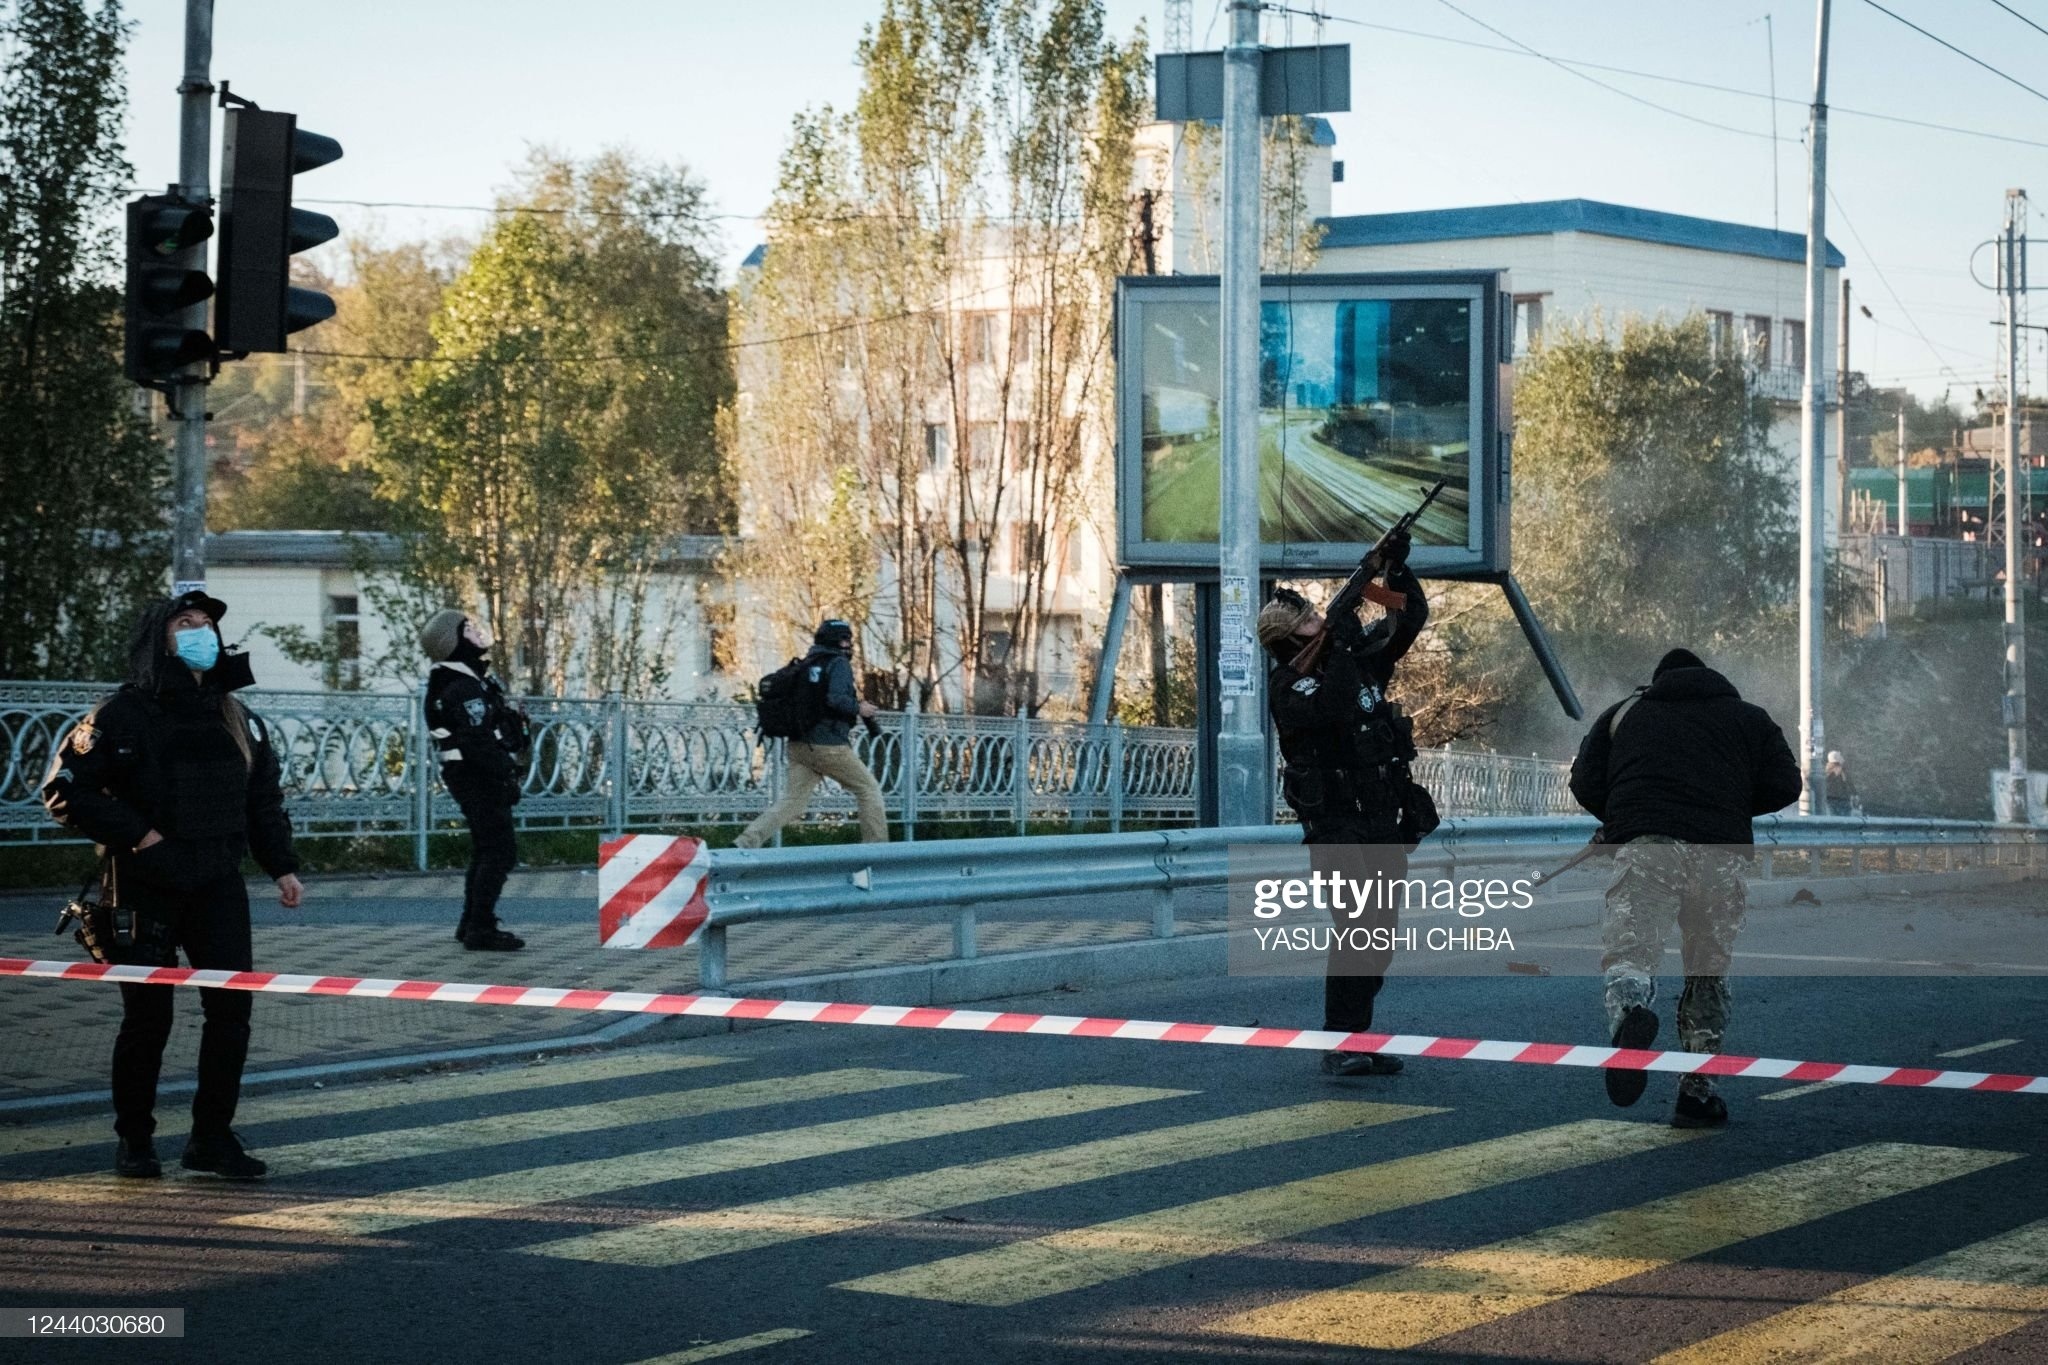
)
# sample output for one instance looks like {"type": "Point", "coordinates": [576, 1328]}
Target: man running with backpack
{"type": "Point", "coordinates": [812, 703]}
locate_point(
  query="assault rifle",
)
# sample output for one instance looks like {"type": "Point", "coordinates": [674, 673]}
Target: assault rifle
{"type": "Point", "coordinates": [1594, 846]}
{"type": "Point", "coordinates": [1369, 568]}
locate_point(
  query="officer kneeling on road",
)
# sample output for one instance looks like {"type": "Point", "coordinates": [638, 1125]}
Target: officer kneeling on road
{"type": "Point", "coordinates": [1674, 772]}
{"type": "Point", "coordinates": [176, 781]}
{"type": "Point", "coordinates": [479, 735]}
{"type": "Point", "coordinates": [1347, 750]}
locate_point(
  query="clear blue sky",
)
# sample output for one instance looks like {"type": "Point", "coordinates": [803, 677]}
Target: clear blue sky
{"type": "Point", "coordinates": [435, 99]}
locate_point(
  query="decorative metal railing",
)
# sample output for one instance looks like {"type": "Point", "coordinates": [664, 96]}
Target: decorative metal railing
{"type": "Point", "coordinates": [354, 761]}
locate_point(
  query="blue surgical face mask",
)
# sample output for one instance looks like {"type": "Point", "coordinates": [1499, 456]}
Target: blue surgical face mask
{"type": "Point", "coordinates": [198, 647]}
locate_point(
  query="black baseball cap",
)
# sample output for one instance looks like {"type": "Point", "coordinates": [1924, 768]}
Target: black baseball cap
{"type": "Point", "coordinates": [197, 598]}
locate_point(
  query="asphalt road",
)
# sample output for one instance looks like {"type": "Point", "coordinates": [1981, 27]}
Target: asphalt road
{"type": "Point", "coordinates": [896, 1195]}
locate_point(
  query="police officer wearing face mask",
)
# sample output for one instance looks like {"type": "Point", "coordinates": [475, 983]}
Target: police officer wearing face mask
{"type": "Point", "coordinates": [176, 780]}
{"type": "Point", "coordinates": [479, 735]}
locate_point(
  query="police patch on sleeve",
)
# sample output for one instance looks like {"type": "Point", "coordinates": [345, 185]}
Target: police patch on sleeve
{"type": "Point", "coordinates": [1307, 687]}
{"type": "Point", "coordinates": [475, 707]}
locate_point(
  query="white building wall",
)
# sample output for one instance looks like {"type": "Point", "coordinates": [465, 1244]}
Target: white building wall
{"type": "Point", "coordinates": [286, 594]}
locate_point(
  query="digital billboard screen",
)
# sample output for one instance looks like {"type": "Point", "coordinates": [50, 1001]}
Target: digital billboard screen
{"type": "Point", "coordinates": [1369, 390]}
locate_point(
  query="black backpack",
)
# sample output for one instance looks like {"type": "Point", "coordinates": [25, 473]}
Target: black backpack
{"type": "Point", "coordinates": [789, 702]}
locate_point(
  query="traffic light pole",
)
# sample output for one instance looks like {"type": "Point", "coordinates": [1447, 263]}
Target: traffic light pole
{"type": "Point", "coordinates": [195, 153]}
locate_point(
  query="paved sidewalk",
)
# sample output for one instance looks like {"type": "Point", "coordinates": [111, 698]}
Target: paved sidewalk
{"type": "Point", "coordinates": [60, 1033]}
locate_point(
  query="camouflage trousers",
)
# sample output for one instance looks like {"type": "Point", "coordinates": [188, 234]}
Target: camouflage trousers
{"type": "Point", "coordinates": [1661, 882]}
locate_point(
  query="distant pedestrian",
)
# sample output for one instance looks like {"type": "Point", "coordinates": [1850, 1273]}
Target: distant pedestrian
{"type": "Point", "coordinates": [177, 781]}
{"type": "Point", "coordinates": [1675, 772]}
{"type": "Point", "coordinates": [479, 735]}
{"type": "Point", "coordinates": [1842, 798]}
{"type": "Point", "coordinates": [826, 747]}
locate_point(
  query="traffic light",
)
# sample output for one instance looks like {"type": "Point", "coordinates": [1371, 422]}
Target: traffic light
{"type": "Point", "coordinates": [260, 231]}
{"type": "Point", "coordinates": [157, 345]}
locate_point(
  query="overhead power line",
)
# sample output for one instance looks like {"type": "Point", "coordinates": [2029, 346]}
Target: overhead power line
{"type": "Point", "coordinates": [1871, 260]}
{"type": "Point", "coordinates": [679, 353]}
{"type": "Point", "coordinates": [1667, 78]}
{"type": "Point", "coordinates": [1966, 56]}
{"type": "Point", "coordinates": [2021, 17]}
{"type": "Point", "coordinates": [1595, 80]}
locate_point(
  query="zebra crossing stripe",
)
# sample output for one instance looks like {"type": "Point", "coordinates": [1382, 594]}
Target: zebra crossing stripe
{"type": "Point", "coordinates": [1916, 1316]}
{"type": "Point", "coordinates": [254, 1110]}
{"type": "Point", "coordinates": [491, 1195]}
{"type": "Point", "coordinates": [1071, 1026]}
{"type": "Point", "coordinates": [326, 1154]}
{"type": "Point", "coordinates": [701, 1235]}
{"type": "Point", "coordinates": [1405, 1308]}
{"type": "Point", "coordinates": [1019, 1272]}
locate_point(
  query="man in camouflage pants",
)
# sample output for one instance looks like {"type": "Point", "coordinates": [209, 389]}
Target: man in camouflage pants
{"type": "Point", "coordinates": [1675, 772]}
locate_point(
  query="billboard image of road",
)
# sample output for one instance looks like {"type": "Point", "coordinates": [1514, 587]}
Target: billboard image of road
{"type": "Point", "coordinates": [1361, 402]}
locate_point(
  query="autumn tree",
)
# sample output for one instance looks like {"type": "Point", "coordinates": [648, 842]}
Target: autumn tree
{"type": "Point", "coordinates": [539, 459]}
{"type": "Point", "coordinates": [930, 321]}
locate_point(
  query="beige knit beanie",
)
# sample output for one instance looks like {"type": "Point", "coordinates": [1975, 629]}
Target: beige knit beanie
{"type": "Point", "coordinates": [441, 633]}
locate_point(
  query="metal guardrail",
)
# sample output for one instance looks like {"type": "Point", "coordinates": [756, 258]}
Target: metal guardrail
{"type": "Point", "coordinates": [1147, 870]}
{"type": "Point", "coordinates": [359, 763]}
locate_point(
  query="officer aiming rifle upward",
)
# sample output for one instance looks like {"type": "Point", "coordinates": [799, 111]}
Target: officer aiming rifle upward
{"type": "Point", "coordinates": [1360, 586]}
{"type": "Point", "coordinates": [1347, 749]}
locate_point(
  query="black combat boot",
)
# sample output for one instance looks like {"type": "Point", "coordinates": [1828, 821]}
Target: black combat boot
{"type": "Point", "coordinates": [1338, 1062]}
{"type": "Point", "coordinates": [136, 1159]}
{"type": "Point", "coordinates": [1638, 1029]}
{"type": "Point", "coordinates": [1699, 1111]}
{"type": "Point", "coordinates": [492, 939]}
{"type": "Point", "coordinates": [221, 1154]}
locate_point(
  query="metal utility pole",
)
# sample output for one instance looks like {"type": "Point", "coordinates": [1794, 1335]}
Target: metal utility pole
{"type": "Point", "coordinates": [2012, 273]}
{"type": "Point", "coordinates": [1243, 774]}
{"type": "Point", "coordinates": [1813, 439]}
{"type": "Point", "coordinates": [1841, 522]}
{"type": "Point", "coordinates": [1902, 470]}
{"type": "Point", "coordinates": [195, 152]}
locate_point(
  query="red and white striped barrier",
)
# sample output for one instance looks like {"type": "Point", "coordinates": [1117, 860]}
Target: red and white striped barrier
{"type": "Point", "coordinates": [1058, 1025]}
{"type": "Point", "coordinates": [650, 891]}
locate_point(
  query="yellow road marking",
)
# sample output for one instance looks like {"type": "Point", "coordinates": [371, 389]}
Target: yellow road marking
{"type": "Point", "coordinates": [1796, 1091]}
{"type": "Point", "coordinates": [1925, 1313]}
{"type": "Point", "coordinates": [1405, 1308]}
{"type": "Point", "coordinates": [98, 1187]}
{"type": "Point", "coordinates": [482, 1196]}
{"type": "Point", "coordinates": [848, 1208]}
{"type": "Point", "coordinates": [357, 1099]}
{"type": "Point", "coordinates": [1022, 1271]}
{"type": "Point", "coordinates": [726, 1348]}
{"type": "Point", "coordinates": [490, 1130]}
{"type": "Point", "coordinates": [1992, 1046]}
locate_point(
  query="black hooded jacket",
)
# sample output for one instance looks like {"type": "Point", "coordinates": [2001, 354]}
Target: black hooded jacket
{"type": "Point", "coordinates": [1690, 760]}
{"type": "Point", "coordinates": [159, 754]}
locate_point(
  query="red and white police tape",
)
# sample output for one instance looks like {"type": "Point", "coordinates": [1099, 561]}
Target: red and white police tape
{"type": "Point", "coordinates": [650, 891]}
{"type": "Point", "coordinates": [1058, 1025]}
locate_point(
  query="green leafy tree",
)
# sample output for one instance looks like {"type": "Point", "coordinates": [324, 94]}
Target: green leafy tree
{"type": "Point", "coordinates": [1649, 509]}
{"type": "Point", "coordinates": [82, 525]}
{"type": "Point", "coordinates": [294, 430]}
{"type": "Point", "coordinates": [562, 435]}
